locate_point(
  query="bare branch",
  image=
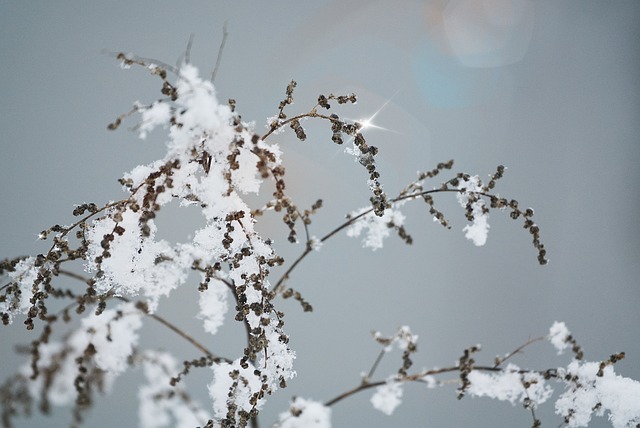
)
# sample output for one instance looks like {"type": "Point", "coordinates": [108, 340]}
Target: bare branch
{"type": "Point", "coordinates": [220, 50]}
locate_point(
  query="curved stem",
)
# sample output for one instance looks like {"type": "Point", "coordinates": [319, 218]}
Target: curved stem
{"type": "Point", "coordinates": [225, 33]}
{"type": "Point", "coordinates": [353, 391]}
{"type": "Point", "coordinates": [179, 332]}
{"type": "Point", "coordinates": [312, 113]}
{"type": "Point", "coordinates": [518, 350]}
{"type": "Point", "coordinates": [285, 276]}
{"type": "Point", "coordinates": [419, 377]}
{"type": "Point", "coordinates": [348, 223]}
{"type": "Point", "coordinates": [161, 320]}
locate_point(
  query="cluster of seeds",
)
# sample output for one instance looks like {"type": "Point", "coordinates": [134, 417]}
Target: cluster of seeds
{"type": "Point", "coordinates": [416, 189]}
{"type": "Point", "coordinates": [339, 129]}
{"type": "Point", "coordinates": [614, 358]}
{"type": "Point", "coordinates": [465, 366]}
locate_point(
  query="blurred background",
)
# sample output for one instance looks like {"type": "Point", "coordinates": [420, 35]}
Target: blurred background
{"type": "Point", "coordinates": [547, 88]}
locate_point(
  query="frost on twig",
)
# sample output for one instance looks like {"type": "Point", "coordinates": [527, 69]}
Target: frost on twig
{"type": "Point", "coordinates": [213, 160]}
{"type": "Point", "coordinates": [591, 388]}
{"type": "Point", "coordinates": [305, 413]}
{"type": "Point", "coordinates": [376, 228]}
{"type": "Point", "coordinates": [475, 197]}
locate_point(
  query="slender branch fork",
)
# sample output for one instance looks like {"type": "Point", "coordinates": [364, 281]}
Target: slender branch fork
{"type": "Point", "coordinates": [420, 377]}
{"type": "Point", "coordinates": [278, 286]}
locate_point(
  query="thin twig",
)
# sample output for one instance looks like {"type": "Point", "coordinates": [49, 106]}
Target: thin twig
{"type": "Point", "coordinates": [285, 275]}
{"type": "Point", "coordinates": [220, 50]}
{"type": "Point", "coordinates": [161, 320]}
{"type": "Point", "coordinates": [346, 224]}
{"type": "Point", "coordinates": [187, 53]}
{"type": "Point", "coordinates": [419, 377]}
{"type": "Point", "coordinates": [312, 113]}
{"type": "Point", "coordinates": [518, 350]}
{"type": "Point", "coordinates": [374, 366]}
{"type": "Point", "coordinates": [180, 333]}
{"type": "Point", "coordinates": [144, 61]}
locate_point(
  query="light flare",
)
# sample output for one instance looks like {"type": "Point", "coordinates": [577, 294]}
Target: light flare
{"type": "Point", "coordinates": [368, 122]}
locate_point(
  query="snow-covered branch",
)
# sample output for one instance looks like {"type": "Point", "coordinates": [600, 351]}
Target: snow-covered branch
{"type": "Point", "coordinates": [214, 161]}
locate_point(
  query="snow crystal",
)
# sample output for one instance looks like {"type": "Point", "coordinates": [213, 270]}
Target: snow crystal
{"type": "Point", "coordinates": [478, 230]}
{"type": "Point", "coordinates": [388, 396]}
{"type": "Point", "coordinates": [402, 339]}
{"type": "Point", "coordinates": [305, 413]}
{"type": "Point", "coordinates": [558, 334]}
{"type": "Point", "coordinates": [275, 120]}
{"type": "Point", "coordinates": [621, 397]}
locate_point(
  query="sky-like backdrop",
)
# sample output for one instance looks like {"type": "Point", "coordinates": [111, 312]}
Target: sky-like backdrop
{"type": "Point", "coordinates": [548, 88]}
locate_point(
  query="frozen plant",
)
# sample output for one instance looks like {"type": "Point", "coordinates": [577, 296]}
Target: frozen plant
{"type": "Point", "coordinates": [87, 336]}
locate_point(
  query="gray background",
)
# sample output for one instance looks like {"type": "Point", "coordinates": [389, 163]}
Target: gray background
{"type": "Point", "coordinates": [547, 88]}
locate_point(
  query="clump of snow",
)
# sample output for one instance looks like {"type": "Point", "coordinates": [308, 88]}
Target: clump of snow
{"type": "Point", "coordinates": [593, 394]}
{"type": "Point", "coordinates": [405, 337]}
{"type": "Point", "coordinates": [508, 385]}
{"type": "Point", "coordinates": [376, 228]}
{"type": "Point", "coordinates": [223, 389]}
{"type": "Point", "coordinates": [137, 264]}
{"type": "Point", "coordinates": [24, 275]}
{"type": "Point", "coordinates": [162, 405]}
{"type": "Point", "coordinates": [213, 306]}
{"type": "Point", "coordinates": [277, 361]}
{"type": "Point", "coordinates": [478, 230]}
{"type": "Point", "coordinates": [114, 334]}
{"type": "Point", "coordinates": [388, 396]}
{"type": "Point", "coordinates": [61, 390]}
{"type": "Point", "coordinates": [315, 244]}
{"type": "Point", "coordinates": [430, 381]}
{"type": "Point", "coordinates": [402, 339]}
{"type": "Point", "coordinates": [159, 113]}
{"type": "Point", "coordinates": [558, 334]}
{"type": "Point", "coordinates": [305, 413]}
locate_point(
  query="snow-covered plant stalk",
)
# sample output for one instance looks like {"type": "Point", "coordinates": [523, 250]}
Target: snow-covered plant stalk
{"type": "Point", "coordinates": [213, 160]}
